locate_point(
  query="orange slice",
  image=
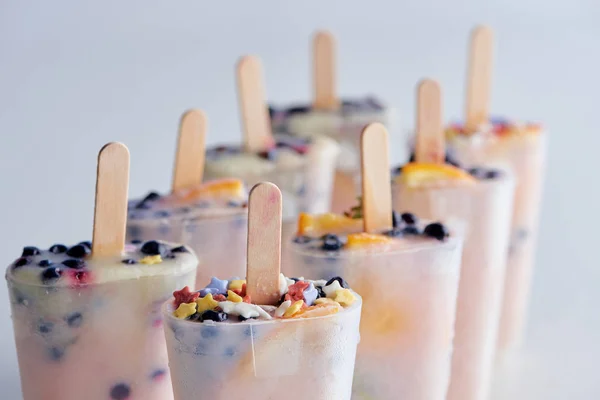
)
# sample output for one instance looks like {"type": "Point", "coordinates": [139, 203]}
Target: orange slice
{"type": "Point", "coordinates": [358, 240]}
{"type": "Point", "coordinates": [220, 188]}
{"type": "Point", "coordinates": [321, 224]}
{"type": "Point", "coordinates": [419, 174]}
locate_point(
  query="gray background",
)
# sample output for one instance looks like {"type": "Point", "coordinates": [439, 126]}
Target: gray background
{"type": "Point", "coordinates": [77, 74]}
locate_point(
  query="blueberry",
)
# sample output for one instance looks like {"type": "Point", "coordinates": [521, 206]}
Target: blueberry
{"type": "Point", "coordinates": [211, 315]}
{"type": "Point", "coordinates": [409, 218]}
{"type": "Point", "coordinates": [475, 172]}
{"type": "Point", "coordinates": [30, 251]}
{"type": "Point", "coordinates": [298, 110]}
{"type": "Point", "coordinates": [209, 332]}
{"type": "Point", "coordinates": [302, 239]}
{"type": "Point", "coordinates": [295, 279]}
{"type": "Point", "coordinates": [144, 203]}
{"type": "Point", "coordinates": [136, 241]}
{"type": "Point", "coordinates": [74, 320]}
{"type": "Point", "coordinates": [50, 274]}
{"type": "Point", "coordinates": [45, 327]}
{"type": "Point", "coordinates": [22, 261]}
{"type": "Point", "coordinates": [241, 318]}
{"type": "Point", "coordinates": [161, 214]}
{"type": "Point", "coordinates": [436, 230]}
{"type": "Point", "coordinates": [331, 242]}
{"type": "Point", "coordinates": [320, 292]}
{"type": "Point", "coordinates": [197, 317]}
{"type": "Point", "coordinates": [397, 170]}
{"type": "Point", "coordinates": [180, 249]}
{"type": "Point", "coordinates": [56, 353]}
{"type": "Point", "coordinates": [170, 256]}
{"type": "Point", "coordinates": [411, 230]}
{"type": "Point", "coordinates": [45, 263]}
{"type": "Point", "coordinates": [129, 261]}
{"type": "Point", "coordinates": [78, 251]}
{"type": "Point", "coordinates": [58, 248]}
{"type": "Point", "coordinates": [120, 391]}
{"type": "Point", "coordinates": [87, 244]}
{"type": "Point", "coordinates": [74, 263]}
{"type": "Point", "coordinates": [491, 174]}
{"type": "Point", "coordinates": [342, 282]}
{"type": "Point", "coordinates": [153, 248]}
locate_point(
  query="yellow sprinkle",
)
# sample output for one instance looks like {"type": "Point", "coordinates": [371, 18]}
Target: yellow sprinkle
{"type": "Point", "coordinates": [149, 260]}
{"type": "Point", "coordinates": [344, 297]}
{"type": "Point", "coordinates": [185, 310]}
{"type": "Point", "coordinates": [231, 296]}
{"type": "Point", "coordinates": [236, 284]}
{"type": "Point", "coordinates": [293, 309]}
{"type": "Point", "coordinates": [206, 303]}
{"type": "Point", "coordinates": [325, 300]}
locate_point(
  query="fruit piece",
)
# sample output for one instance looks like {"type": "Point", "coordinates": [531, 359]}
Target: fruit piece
{"type": "Point", "coordinates": [331, 243]}
{"type": "Point", "coordinates": [319, 310]}
{"type": "Point", "coordinates": [50, 274]}
{"type": "Point", "coordinates": [45, 263]}
{"type": "Point", "coordinates": [30, 251]}
{"type": "Point", "coordinates": [58, 248]}
{"type": "Point", "coordinates": [436, 230]}
{"type": "Point", "coordinates": [221, 188]}
{"type": "Point", "coordinates": [419, 174]}
{"type": "Point", "coordinates": [74, 263]}
{"type": "Point", "coordinates": [78, 251]}
{"type": "Point", "coordinates": [153, 248]}
{"type": "Point", "coordinates": [340, 280]}
{"type": "Point", "coordinates": [120, 391]}
{"type": "Point", "coordinates": [320, 224]}
{"type": "Point", "coordinates": [212, 315]}
{"type": "Point", "coordinates": [358, 240]}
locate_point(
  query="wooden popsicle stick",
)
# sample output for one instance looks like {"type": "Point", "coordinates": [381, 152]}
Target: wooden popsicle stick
{"type": "Point", "coordinates": [189, 159]}
{"type": "Point", "coordinates": [110, 213]}
{"type": "Point", "coordinates": [264, 244]}
{"type": "Point", "coordinates": [376, 180]}
{"type": "Point", "coordinates": [430, 144]}
{"type": "Point", "coordinates": [479, 78]}
{"type": "Point", "coordinates": [254, 111]}
{"type": "Point", "coordinates": [324, 72]}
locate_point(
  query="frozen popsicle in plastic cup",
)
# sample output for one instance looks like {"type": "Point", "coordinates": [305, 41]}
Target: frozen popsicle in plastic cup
{"type": "Point", "coordinates": [482, 198]}
{"type": "Point", "coordinates": [408, 272]}
{"type": "Point", "coordinates": [330, 116]}
{"type": "Point", "coordinates": [521, 147]}
{"type": "Point", "coordinates": [303, 169]}
{"type": "Point", "coordinates": [87, 318]}
{"type": "Point", "coordinates": [205, 216]}
{"type": "Point", "coordinates": [269, 337]}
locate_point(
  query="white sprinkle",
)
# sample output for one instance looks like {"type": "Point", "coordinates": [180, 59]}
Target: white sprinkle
{"type": "Point", "coordinates": [244, 309]}
{"type": "Point", "coordinates": [282, 308]}
{"type": "Point", "coordinates": [320, 282]}
{"type": "Point", "coordinates": [332, 288]}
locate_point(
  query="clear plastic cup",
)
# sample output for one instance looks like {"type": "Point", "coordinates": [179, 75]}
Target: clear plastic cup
{"type": "Point", "coordinates": [525, 155]}
{"type": "Point", "coordinates": [208, 237]}
{"type": "Point", "coordinates": [99, 339]}
{"type": "Point", "coordinates": [294, 359]}
{"type": "Point", "coordinates": [486, 209]}
{"type": "Point", "coordinates": [409, 303]}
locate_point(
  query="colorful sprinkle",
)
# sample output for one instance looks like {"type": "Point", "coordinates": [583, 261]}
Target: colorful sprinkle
{"type": "Point", "coordinates": [206, 303]}
{"type": "Point", "coordinates": [232, 296]}
{"type": "Point", "coordinates": [293, 309]}
{"type": "Point", "coordinates": [185, 310]}
{"type": "Point", "coordinates": [151, 260]}
{"type": "Point", "coordinates": [184, 296]}
{"type": "Point", "coordinates": [344, 297]}
{"type": "Point", "coordinates": [296, 291]}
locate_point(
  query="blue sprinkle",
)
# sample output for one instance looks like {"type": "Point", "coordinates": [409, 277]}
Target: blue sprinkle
{"type": "Point", "coordinates": [209, 332]}
{"type": "Point", "coordinates": [56, 353]}
{"type": "Point", "coordinates": [310, 294]}
{"type": "Point", "coordinates": [219, 284]}
{"type": "Point", "coordinates": [205, 291]}
{"type": "Point", "coordinates": [74, 320]}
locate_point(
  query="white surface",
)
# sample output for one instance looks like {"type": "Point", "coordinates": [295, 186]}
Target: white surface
{"type": "Point", "coordinates": [76, 74]}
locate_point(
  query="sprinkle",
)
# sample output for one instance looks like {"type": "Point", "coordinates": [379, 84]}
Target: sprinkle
{"type": "Point", "coordinates": [325, 300]}
{"type": "Point", "coordinates": [240, 292]}
{"type": "Point", "coordinates": [247, 299]}
{"type": "Point", "coordinates": [293, 309]}
{"type": "Point", "coordinates": [310, 294]}
{"type": "Point", "coordinates": [206, 303]}
{"type": "Point", "coordinates": [344, 297]}
{"type": "Point", "coordinates": [231, 296]}
{"type": "Point", "coordinates": [185, 310]}
{"type": "Point", "coordinates": [296, 291]}
{"type": "Point", "coordinates": [282, 308]}
{"type": "Point", "coordinates": [216, 286]}
{"type": "Point", "coordinates": [331, 289]}
{"type": "Point", "coordinates": [220, 297]}
{"type": "Point", "coordinates": [243, 309]}
{"type": "Point", "coordinates": [237, 284]}
{"type": "Point", "coordinates": [184, 296]}
{"type": "Point", "coordinates": [151, 260]}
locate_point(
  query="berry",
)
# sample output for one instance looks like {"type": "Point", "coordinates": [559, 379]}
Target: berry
{"type": "Point", "coordinates": [30, 251]}
{"type": "Point", "coordinates": [136, 241]}
{"type": "Point", "coordinates": [298, 110]}
{"type": "Point", "coordinates": [144, 203]}
{"type": "Point", "coordinates": [320, 292]}
{"type": "Point", "coordinates": [51, 274]}
{"type": "Point", "coordinates": [491, 174]}
{"type": "Point", "coordinates": [58, 248]}
{"type": "Point", "coordinates": [409, 218]}
{"type": "Point", "coordinates": [45, 263]}
{"type": "Point", "coordinates": [395, 218]}
{"type": "Point", "coordinates": [410, 230]}
{"type": "Point", "coordinates": [74, 320]}
{"type": "Point", "coordinates": [87, 244]}
{"type": "Point", "coordinates": [436, 230]}
{"type": "Point", "coordinates": [129, 261]}
{"type": "Point", "coordinates": [180, 249]}
{"type": "Point", "coordinates": [45, 327]}
{"type": "Point", "coordinates": [78, 251]}
{"type": "Point", "coordinates": [74, 263]}
{"type": "Point", "coordinates": [341, 281]}
{"type": "Point", "coordinates": [22, 261]}
{"type": "Point", "coordinates": [331, 242]}
{"type": "Point", "coordinates": [211, 315]}
{"type": "Point", "coordinates": [120, 391]}
{"type": "Point", "coordinates": [153, 248]}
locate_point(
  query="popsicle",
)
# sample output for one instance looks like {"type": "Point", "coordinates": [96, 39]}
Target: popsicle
{"type": "Point", "coordinates": [87, 317]}
{"type": "Point", "coordinates": [205, 216]}
{"type": "Point", "coordinates": [303, 169]}
{"type": "Point", "coordinates": [481, 197]}
{"type": "Point", "coordinates": [331, 116]}
{"type": "Point", "coordinates": [521, 147]}
{"type": "Point", "coordinates": [407, 272]}
{"type": "Point", "coordinates": [267, 336]}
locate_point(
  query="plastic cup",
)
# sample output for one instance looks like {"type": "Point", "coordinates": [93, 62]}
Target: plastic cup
{"type": "Point", "coordinates": [525, 156]}
{"type": "Point", "coordinates": [98, 340]}
{"type": "Point", "coordinates": [310, 358]}
{"type": "Point", "coordinates": [409, 304]}
{"type": "Point", "coordinates": [486, 208]}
